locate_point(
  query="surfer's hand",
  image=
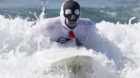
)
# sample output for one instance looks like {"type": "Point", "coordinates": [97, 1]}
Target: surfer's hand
{"type": "Point", "coordinates": [78, 43]}
{"type": "Point", "coordinates": [62, 40]}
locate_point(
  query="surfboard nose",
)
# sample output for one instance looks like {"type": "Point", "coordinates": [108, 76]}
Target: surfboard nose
{"type": "Point", "coordinates": [73, 67]}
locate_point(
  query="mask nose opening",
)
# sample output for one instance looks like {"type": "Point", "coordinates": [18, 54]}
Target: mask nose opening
{"type": "Point", "coordinates": [72, 17]}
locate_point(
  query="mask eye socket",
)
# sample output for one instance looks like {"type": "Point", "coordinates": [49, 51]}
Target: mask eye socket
{"type": "Point", "coordinates": [77, 12]}
{"type": "Point", "coordinates": [68, 11]}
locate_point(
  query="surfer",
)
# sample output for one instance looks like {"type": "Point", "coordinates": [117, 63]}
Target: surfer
{"type": "Point", "coordinates": [68, 27]}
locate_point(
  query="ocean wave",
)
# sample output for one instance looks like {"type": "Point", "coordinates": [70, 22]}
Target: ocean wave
{"type": "Point", "coordinates": [26, 56]}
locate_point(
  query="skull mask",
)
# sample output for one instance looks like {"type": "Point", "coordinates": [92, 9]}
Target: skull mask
{"type": "Point", "coordinates": [71, 12]}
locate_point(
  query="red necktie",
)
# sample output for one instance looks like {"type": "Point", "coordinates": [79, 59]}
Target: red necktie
{"type": "Point", "coordinates": [71, 34]}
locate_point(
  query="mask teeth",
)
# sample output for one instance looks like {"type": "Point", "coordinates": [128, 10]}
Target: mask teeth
{"type": "Point", "coordinates": [71, 23]}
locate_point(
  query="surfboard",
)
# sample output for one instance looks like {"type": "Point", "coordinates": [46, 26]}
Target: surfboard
{"type": "Point", "coordinates": [78, 65]}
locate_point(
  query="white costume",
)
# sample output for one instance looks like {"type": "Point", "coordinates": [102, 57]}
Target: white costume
{"type": "Point", "coordinates": [56, 28]}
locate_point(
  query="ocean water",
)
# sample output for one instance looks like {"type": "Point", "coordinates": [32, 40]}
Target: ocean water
{"type": "Point", "coordinates": [115, 47]}
{"type": "Point", "coordinates": [117, 14]}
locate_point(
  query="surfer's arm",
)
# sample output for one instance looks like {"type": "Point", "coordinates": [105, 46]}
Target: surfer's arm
{"type": "Point", "coordinates": [91, 28]}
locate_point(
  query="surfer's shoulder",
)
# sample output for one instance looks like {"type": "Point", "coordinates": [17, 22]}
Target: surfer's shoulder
{"type": "Point", "coordinates": [52, 23]}
{"type": "Point", "coordinates": [86, 22]}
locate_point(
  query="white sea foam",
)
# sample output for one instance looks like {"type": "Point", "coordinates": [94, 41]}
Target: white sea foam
{"type": "Point", "coordinates": [114, 48]}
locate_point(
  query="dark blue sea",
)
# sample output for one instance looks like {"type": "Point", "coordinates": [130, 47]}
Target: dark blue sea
{"type": "Point", "coordinates": [111, 14]}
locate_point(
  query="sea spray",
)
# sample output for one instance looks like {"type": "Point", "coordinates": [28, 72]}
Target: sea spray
{"type": "Point", "coordinates": [25, 56]}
